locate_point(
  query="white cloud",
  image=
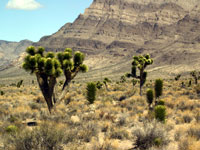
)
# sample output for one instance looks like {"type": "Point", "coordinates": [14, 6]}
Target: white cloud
{"type": "Point", "coordinates": [23, 4]}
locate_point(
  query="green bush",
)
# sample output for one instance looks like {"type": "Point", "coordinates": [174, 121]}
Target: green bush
{"type": "Point", "coordinates": [149, 96]}
{"type": "Point", "coordinates": [160, 113]}
{"type": "Point", "coordinates": [99, 85]}
{"type": "Point", "coordinates": [123, 79]}
{"type": "Point", "coordinates": [91, 92]}
{"type": "Point", "coordinates": [134, 82]}
{"type": "Point", "coordinates": [161, 102]}
{"type": "Point", "coordinates": [158, 87]}
{"type": "Point", "coordinates": [157, 141]}
{"type": "Point", "coordinates": [11, 129]}
{"type": "Point", "coordinates": [2, 93]}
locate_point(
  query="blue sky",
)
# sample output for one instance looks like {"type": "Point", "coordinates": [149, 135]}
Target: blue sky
{"type": "Point", "coordinates": [32, 19]}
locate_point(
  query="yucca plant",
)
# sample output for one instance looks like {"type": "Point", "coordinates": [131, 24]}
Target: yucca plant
{"type": "Point", "coordinates": [150, 96]}
{"type": "Point", "coordinates": [160, 113]}
{"type": "Point", "coordinates": [106, 81]}
{"type": "Point", "coordinates": [158, 87]}
{"type": "Point", "coordinates": [91, 92]}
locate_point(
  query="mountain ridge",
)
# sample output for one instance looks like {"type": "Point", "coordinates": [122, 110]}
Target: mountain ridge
{"type": "Point", "coordinates": [112, 31]}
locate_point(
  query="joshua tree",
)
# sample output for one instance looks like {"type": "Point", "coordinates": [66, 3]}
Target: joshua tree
{"type": "Point", "coordinates": [47, 68]}
{"type": "Point", "coordinates": [105, 81]}
{"type": "Point", "coordinates": [70, 65]}
{"type": "Point", "coordinates": [195, 75]}
{"type": "Point", "coordinates": [177, 77]}
{"type": "Point", "coordinates": [19, 83]}
{"type": "Point", "coordinates": [140, 63]}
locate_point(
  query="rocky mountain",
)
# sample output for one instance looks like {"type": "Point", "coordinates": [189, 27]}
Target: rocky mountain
{"type": "Point", "coordinates": [10, 51]}
{"type": "Point", "coordinates": [111, 31]}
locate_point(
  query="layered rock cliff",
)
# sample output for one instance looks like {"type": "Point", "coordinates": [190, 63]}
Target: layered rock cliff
{"type": "Point", "coordinates": [116, 29]}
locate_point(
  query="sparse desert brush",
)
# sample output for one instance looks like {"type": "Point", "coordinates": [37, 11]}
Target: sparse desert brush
{"type": "Point", "coordinates": [119, 133]}
{"type": "Point", "coordinates": [105, 126]}
{"type": "Point", "coordinates": [87, 131]}
{"type": "Point", "coordinates": [105, 145]}
{"type": "Point", "coordinates": [148, 134]}
{"type": "Point", "coordinates": [188, 143]}
{"type": "Point", "coordinates": [194, 131]}
{"type": "Point", "coordinates": [47, 136]}
{"type": "Point", "coordinates": [187, 116]}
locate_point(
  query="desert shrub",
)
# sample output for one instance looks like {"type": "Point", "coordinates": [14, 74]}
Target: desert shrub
{"type": "Point", "coordinates": [158, 87]}
{"type": "Point", "coordinates": [11, 129]}
{"type": "Point", "coordinates": [161, 102]}
{"type": "Point", "coordinates": [122, 121]}
{"type": "Point", "coordinates": [87, 131]}
{"type": "Point", "coordinates": [134, 82]}
{"type": "Point", "coordinates": [197, 88]}
{"type": "Point", "coordinates": [194, 131]}
{"type": "Point", "coordinates": [177, 77]}
{"type": "Point", "coordinates": [118, 134]}
{"type": "Point", "coordinates": [187, 118]}
{"type": "Point", "coordinates": [99, 85]}
{"type": "Point", "coordinates": [67, 100]}
{"type": "Point", "coordinates": [34, 106]}
{"type": "Point", "coordinates": [149, 96]}
{"type": "Point", "coordinates": [2, 93]}
{"type": "Point", "coordinates": [160, 113]}
{"type": "Point", "coordinates": [106, 145]}
{"type": "Point", "coordinates": [91, 92]}
{"type": "Point", "coordinates": [197, 117]}
{"type": "Point", "coordinates": [149, 134]}
{"type": "Point", "coordinates": [46, 137]}
{"type": "Point", "coordinates": [123, 79]}
{"type": "Point", "coordinates": [12, 119]}
{"type": "Point", "coordinates": [183, 144]}
{"type": "Point", "coordinates": [19, 84]}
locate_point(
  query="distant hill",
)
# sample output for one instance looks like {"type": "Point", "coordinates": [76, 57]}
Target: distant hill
{"type": "Point", "coordinates": [10, 51]}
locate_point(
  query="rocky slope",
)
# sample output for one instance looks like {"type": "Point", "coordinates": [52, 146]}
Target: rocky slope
{"type": "Point", "coordinates": [10, 51]}
{"type": "Point", "coordinates": [114, 30]}
{"type": "Point", "coordinates": [110, 32]}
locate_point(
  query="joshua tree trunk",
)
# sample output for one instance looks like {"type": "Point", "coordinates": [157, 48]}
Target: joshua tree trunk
{"type": "Point", "coordinates": [141, 81]}
{"type": "Point", "coordinates": [47, 89]}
